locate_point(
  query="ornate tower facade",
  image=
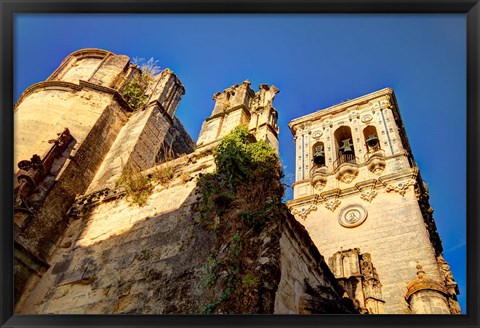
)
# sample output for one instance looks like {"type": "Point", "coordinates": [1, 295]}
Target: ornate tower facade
{"type": "Point", "coordinates": [361, 197]}
{"type": "Point", "coordinates": [240, 105]}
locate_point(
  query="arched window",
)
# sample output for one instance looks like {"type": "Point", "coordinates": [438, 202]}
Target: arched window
{"type": "Point", "coordinates": [344, 146]}
{"type": "Point", "coordinates": [371, 139]}
{"type": "Point", "coordinates": [319, 154]}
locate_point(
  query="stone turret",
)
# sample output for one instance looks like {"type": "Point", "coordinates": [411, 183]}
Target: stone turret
{"type": "Point", "coordinates": [427, 296]}
{"type": "Point", "coordinates": [240, 105]}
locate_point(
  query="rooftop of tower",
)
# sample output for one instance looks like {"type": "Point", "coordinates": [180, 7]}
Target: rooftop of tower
{"type": "Point", "coordinates": [341, 106]}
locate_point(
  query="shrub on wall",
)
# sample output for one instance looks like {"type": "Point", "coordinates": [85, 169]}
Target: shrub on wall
{"type": "Point", "coordinates": [239, 200]}
{"type": "Point", "coordinates": [134, 91]}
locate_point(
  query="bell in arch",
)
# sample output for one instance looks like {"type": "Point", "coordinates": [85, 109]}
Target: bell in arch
{"type": "Point", "coordinates": [372, 140]}
{"type": "Point", "coordinates": [319, 156]}
{"type": "Point", "coordinates": [347, 147]}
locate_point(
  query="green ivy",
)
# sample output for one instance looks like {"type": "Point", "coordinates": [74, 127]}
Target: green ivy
{"type": "Point", "coordinates": [246, 179]}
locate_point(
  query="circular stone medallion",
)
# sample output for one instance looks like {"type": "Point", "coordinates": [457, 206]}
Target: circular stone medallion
{"type": "Point", "coordinates": [352, 215]}
{"type": "Point", "coordinates": [366, 119]}
{"type": "Point", "coordinates": [317, 135]}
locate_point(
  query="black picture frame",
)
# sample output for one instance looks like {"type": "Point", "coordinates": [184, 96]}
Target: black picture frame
{"type": "Point", "coordinates": [471, 8]}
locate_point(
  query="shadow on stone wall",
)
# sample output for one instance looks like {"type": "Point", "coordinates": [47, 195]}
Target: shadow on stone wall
{"type": "Point", "coordinates": [158, 259]}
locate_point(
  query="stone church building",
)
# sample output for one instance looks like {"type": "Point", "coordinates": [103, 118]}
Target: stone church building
{"type": "Point", "coordinates": [358, 237]}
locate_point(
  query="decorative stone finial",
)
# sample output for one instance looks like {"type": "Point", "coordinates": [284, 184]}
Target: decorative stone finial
{"type": "Point", "coordinates": [420, 272]}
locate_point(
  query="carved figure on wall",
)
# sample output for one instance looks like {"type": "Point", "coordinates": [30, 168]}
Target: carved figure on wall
{"type": "Point", "coordinates": [33, 171]}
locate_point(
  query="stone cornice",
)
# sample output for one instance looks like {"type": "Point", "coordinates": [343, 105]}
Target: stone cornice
{"type": "Point", "coordinates": [45, 84]}
{"type": "Point", "coordinates": [270, 127]}
{"type": "Point", "coordinates": [374, 184]}
{"type": "Point", "coordinates": [209, 145]}
{"type": "Point", "coordinates": [90, 52]}
{"type": "Point", "coordinates": [339, 107]}
{"type": "Point", "coordinates": [82, 53]}
{"type": "Point", "coordinates": [361, 165]}
{"type": "Point", "coordinates": [421, 284]}
{"type": "Point", "coordinates": [69, 86]}
{"type": "Point", "coordinates": [228, 111]}
{"type": "Point", "coordinates": [301, 201]}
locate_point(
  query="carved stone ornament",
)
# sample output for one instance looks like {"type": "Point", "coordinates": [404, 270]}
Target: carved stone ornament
{"type": "Point", "coordinates": [327, 124]}
{"type": "Point", "coordinates": [450, 283]}
{"type": "Point", "coordinates": [368, 195]}
{"type": "Point", "coordinates": [401, 187]}
{"type": "Point", "coordinates": [317, 134]}
{"type": "Point", "coordinates": [332, 204]}
{"type": "Point", "coordinates": [376, 165]}
{"type": "Point", "coordinates": [352, 215]}
{"type": "Point", "coordinates": [353, 116]}
{"type": "Point", "coordinates": [454, 306]}
{"type": "Point", "coordinates": [367, 118]}
{"type": "Point", "coordinates": [387, 104]}
{"type": "Point", "coordinates": [423, 283]}
{"type": "Point", "coordinates": [304, 211]}
{"type": "Point", "coordinates": [347, 173]}
{"type": "Point", "coordinates": [319, 181]}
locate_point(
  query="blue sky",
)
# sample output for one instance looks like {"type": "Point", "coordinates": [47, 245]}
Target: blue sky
{"type": "Point", "coordinates": [315, 60]}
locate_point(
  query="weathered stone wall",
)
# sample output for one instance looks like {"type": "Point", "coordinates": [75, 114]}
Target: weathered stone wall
{"type": "Point", "coordinates": [106, 255]}
{"type": "Point", "coordinates": [233, 119]}
{"type": "Point", "coordinates": [429, 302]}
{"type": "Point", "coordinates": [307, 285]}
{"type": "Point", "coordinates": [96, 66]}
{"type": "Point", "coordinates": [48, 111]}
{"type": "Point", "coordinates": [177, 142]}
{"type": "Point", "coordinates": [209, 130]}
{"type": "Point", "coordinates": [240, 105]}
{"type": "Point", "coordinates": [393, 233]}
{"type": "Point", "coordinates": [83, 96]}
{"type": "Point", "coordinates": [93, 117]}
{"type": "Point", "coordinates": [56, 193]}
{"type": "Point", "coordinates": [147, 138]}
{"type": "Point", "coordinates": [167, 91]}
{"type": "Point", "coordinates": [121, 258]}
{"type": "Point", "coordinates": [26, 269]}
{"type": "Point", "coordinates": [41, 231]}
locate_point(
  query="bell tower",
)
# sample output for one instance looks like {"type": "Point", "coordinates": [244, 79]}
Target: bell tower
{"type": "Point", "coordinates": [360, 195]}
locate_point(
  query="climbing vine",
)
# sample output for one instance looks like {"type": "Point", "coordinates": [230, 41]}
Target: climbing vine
{"type": "Point", "coordinates": [238, 201]}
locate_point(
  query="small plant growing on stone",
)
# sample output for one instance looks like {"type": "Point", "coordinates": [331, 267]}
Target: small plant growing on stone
{"type": "Point", "coordinates": [137, 186]}
{"type": "Point", "coordinates": [249, 281]}
{"type": "Point", "coordinates": [166, 172]}
{"type": "Point", "coordinates": [164, 175]}
{"type": "Point", "coordinates": [134, 91]}
{"type": "Point", "coordinates": [185, 177]}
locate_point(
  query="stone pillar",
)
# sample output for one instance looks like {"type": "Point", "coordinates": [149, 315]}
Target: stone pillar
{"type": "Point", "coordinates": [166, 90]}
{"type": "Point", "coordinates": [357, 275]}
